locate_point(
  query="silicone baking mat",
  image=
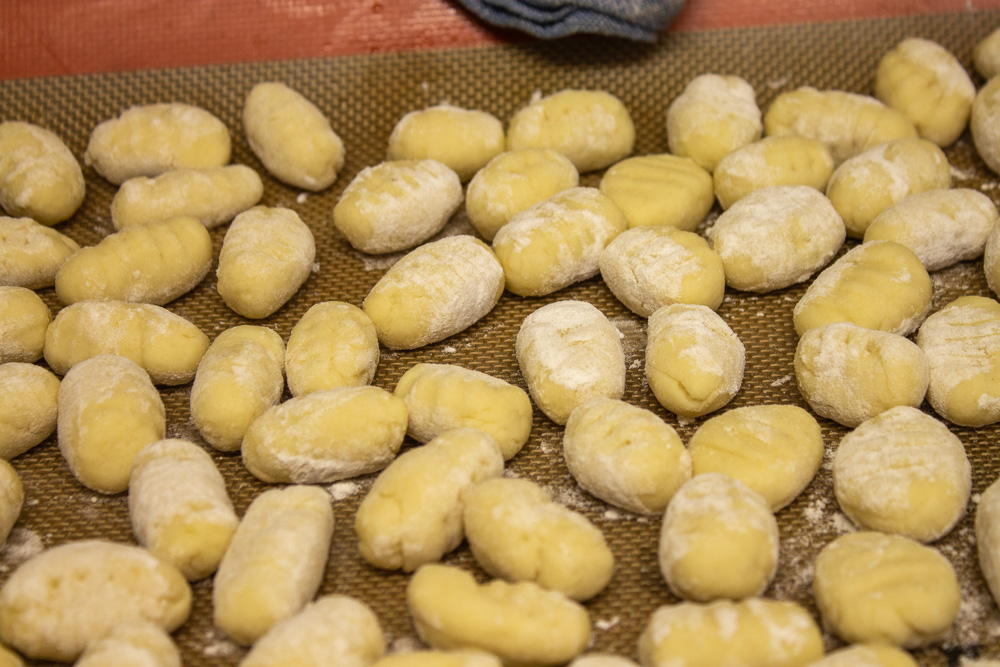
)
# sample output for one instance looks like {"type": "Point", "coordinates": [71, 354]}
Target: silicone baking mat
{"type": "Point", "coordinates": [364, 96]}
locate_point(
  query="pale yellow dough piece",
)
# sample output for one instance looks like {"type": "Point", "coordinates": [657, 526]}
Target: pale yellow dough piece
{"type": "Point", "coordinates": [850, 373]}
{"type": "Point", "coordinates": [213, 195]}
{"type": "Point", "coordinates": [24, 319]}
{"type": "Point", "coordinates": [848, 123]}
{"type": "Point", "coordinates": [984, 122]}
{"type": "Point", "coordinates": [776, 237]}
{"type": "Point", "coordinates": [694, 361]}
{"type": "Point", "coordinates": [869, 183]}
{"type": "Point", "coordinates": [334, 630]}
{"type": "Point", "coordinates": [775, 450]}
{"type": "Point", "coordinates": [413, 513]}
{"type": "Point", "coordinates": [31, 253]}
{"type": "Point", "coordinates": [28, 404]}
{"type": "Point", "coordinates": [753, 632]}
{"type": "Point", "coordinates": [590, 127]}
{"type": "Point", "coordinates": [513, 182]}
{"type": "Point", "coordinates": [11, 499]}
{"type": "Point", "coordinates": [108, 411]}
{"type": "Point", "coordinates": [133, 643]}
{"type": "Point", "coordinates": [903, 472]}
{"type": "Point", "coordinates": [153, 263]}
{"type": "Point", "coordinates": [987, 528]}
{"type": "Point", "coordinates": [179, 507]}
{"type": "Point", "coordinates": [986, 55]}
{"type": "Point", "coordinates": [625, 455]}
{"type": "Point", "coordinates": [928, 84]}
{"type": "Point", "coordinates": [873, 654]}
{"type": "Point", "coordinates": [146, 140]}
{"type": "Point", "coordinates": [58, 602]}
{"type": "Point", "coordinates": [463, 139]}
{"type": "Point", "coordinates": [166, 345]}
{"type": "Point", "coordinates": [431, 658]}
{"type": "Point", "coordinates": [517, 532]}
{"type": "Point", "coordinates": [771, 161]}
{"type": "Point", "coordinates": [557, 242]}
{"type": "Point", "coordinates": [326, 436]}
{"type": "Point", "coordinates": [991, 259]}
{"type": "Point", "coordinates": [239, 378]}
{"type": "Point", "coordinates": [441, 397]}
{"type": "Point", "coordinates": [880, 285]}
{"type": "Point", "coordinates": [962, 344]}
{"type": "Point", "coordinates": [520, 623]}
{"type": "Point", "coordinates": [333, 345]}
{"type": "Point", "coordinates": [435, 291]}
{"type": "Point", "coordinates": [660, 189]}
{"type": "Point", "coordinates": [715, 115]}
{"type": "Point", "coordinates": [569, 352]}
{"type": "Point", "coordinates": [397, 205]}
{"type": "Point", "coordinates": [39, 176]}
{"type": "Point", "coordinates": [274, 564]}
{"type": "Point", "coordinates": [291, 137]}
{"type": "Point", "coordinates": [874, 587]}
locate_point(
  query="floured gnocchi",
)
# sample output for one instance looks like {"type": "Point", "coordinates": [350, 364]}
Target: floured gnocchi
{"type": "Point", "coordinates": [987, 528]}
{"type": "Point", "coordinates": [986, 55]}
{"type": "Point", "coordinates": [129, 644]}
{"type": "Point", "coordinates": [31, 253]}
{"type": "Point", "coordinates": [463, 139]}
{"type": "Point", "coordinates": [24, 319]}
{"type": "Point", "coordinates": [772, 161]}
{"type": "Point", "coordinates": [28, 405]}
{"type": "Point", "coordinates": [11, 498]}
{"type": "Point", "coordinates": [660, 189]}
{"type": "Point", "coordinates": [39, 176]}
{"type": "Point", "coordinates": [985, 121]}
{"type": "Point", "coordinates": [874, 654]}
{"type": "Point", "coordinates": [333, 345]}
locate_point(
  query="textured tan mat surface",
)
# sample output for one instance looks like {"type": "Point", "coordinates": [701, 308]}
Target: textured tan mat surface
{"type": "Point", "coordinates": [364, 96]}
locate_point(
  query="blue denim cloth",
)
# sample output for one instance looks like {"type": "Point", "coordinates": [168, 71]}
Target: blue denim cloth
{"type": "Point", "coordinates": [640, 20]}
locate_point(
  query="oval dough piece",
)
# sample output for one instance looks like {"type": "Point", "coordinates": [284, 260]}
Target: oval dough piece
{"type": "Point", "coordinates": [875, 654]}
{"type": "Point", "coordinates": [39, 176]}
{"type": "Point", "coordinates": [660, 189]}
{"type": "Point", "coordinates": [31, 253]}
{"type": "Point", "coordinates": [772, 161]}
{"type": "Point", "coordinates": [694, 361]}
{"type": "Point", "coordinates": [61, 600]}
{"type": "Point", "coordinates": [435, 291]}
{"type": "Point", "coordinates": [130, 644]}
{"type": "Point", "coordinates": [333, 345]}
{"type": "Point", "coordinates": [986, 55]}
{"type": "Point", "coordinates": [463, 139]}
{"type": "Point", "coordinates": [28, 404]}
{"type": "Point", "coordinates": [569, 352]}
{"type": "Point", "coordinates": [557, 242]}
{"type": "Point", "coordinates": [776, 237]}
{"type": "Point", "coordinates": [11, 499]}
{"type": "Point", "coordinates": [984, 122]}
{"type": "Point", "coordinates": [413, 513]}
{"type": "Point", "coordinates": [146, 140]}
{"type": "Point", "coordinates": [24, 319]}
{"type": "Point", "coordinates": [987, 528]}
{"type": "Point", "coordinates": [291, 137]}
{"type": "Point", "coordinates": [625, 455]}
{"type": "Point", "coordinates": [875, 587]}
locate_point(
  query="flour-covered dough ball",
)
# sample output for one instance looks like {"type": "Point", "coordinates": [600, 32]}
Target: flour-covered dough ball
{"type": "Point", "coordinates": [590, 127]}
{"type": "Point", "coordinates": [715, 115]}
{"type": "Point", "coordinates": [872, 654]}
{"type": "Point", "coordinates": [694, 361]}
{"type": "Point", "coordinates": [987, 527]}
{"type": "Point", "coordinates": [131, 643]}
{"type": "Point", "coordinates": [872, 587]}
{"type": "Point", "coordinates": [985, 123]}
{"type": "Point", "coordinates": [986, 55]}
{"type": "Point", "coordinates": [513, 182]}
{"type": "Point", "coordinates": [28, 405]}
{"type": "Point", "coordinates": [31, 253]}
{"type": "Point", "coordinates": [24, 319]}
{"type": "Point", "coordinates": [569, 352]}
{"type": "Point", "coordinates": [660, 189]}
{"type": "Point", "coordinates": [625, 455]}
{"type": "Point", "coordinates": [776, 237]}
{"type": "Point", "coordinates": [463, 139]}
{"type": "Point", "coordinates": [333, 345]}
{"type": "Point", "coordinates": [772, 161]}
{"type": "Point", "coordinates": [39, 176]}
{"type": "Point", "coordinates": [775, 450]}
{"type": "Point", "coordinates": [11, 498]}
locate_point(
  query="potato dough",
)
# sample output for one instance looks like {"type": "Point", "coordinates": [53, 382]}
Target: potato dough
{"type": "Point", "coordinates": [518, 533]}
{"type": "Point", "coordinates": [28, 402]}
{"type": "Point", "coordinates": [333, 345]}
{"type": "Point", "coordinates": [39, 177]}
{"type": "Point", "coordinates": [413, 513]}
{"type": "Point", "coordinates": [239, 378]}
{"type": "Point", "coordinates": [275, 562]}
{"type": "Point", "coordinates": [513, 182]}
{"type": "Point", "coordinates": [24, 319]}
{"type": "Point", "coordinates": [291, 137]}
{"type": "Point", "coordinates": [880, 285]}
{"type": "Point", "coordinates": [213, 195]}
{"type": "Point", "coordinates": [776, 237]}
{"type": "Point", "coordinates": [431, 658]}
{"type": "Point", "coordinates": [986, 55]}
{"type": "Point", "coordinates": [987, 527]}
{"type": "Point", "coordinates": [153, 263]}
{"type": "Point", "coordinates": [775, 450]}
{"type": "Point", "coordinates": [147, 140]}
{"type": "Point", "coordinates": [440, 397]}
{"type": "Point", "coordinates": [58, 602]}
{"type": "Point", "coordinates": [875, 654]}
{"type": "Point", "coordinates": [625, 455]}
{"type": "Point", "coordinates": [714, 116]}
{"type": "Point", "coordinates": [326, 436]}
{"type": "Point", "coordinates": [30, 253]}
{"type": "Point", "coordinates": [130, 644]}
{"type": "Point", "coordinates": [569, 352]}
{"type": "Point", "coordinates": [108, 411]}
{"type": "Point", "coordinates": [397, 205]}
{"type": "Point", "coordinates": [435, 291]}
{"type": "Point", "coordinates": [557, 242]}
{"type": "Point", "coordinates": [787, 160]}
{"type": "Point", "coordinates": [660, 189]}
{"type": "Point", "coordinates": [463, 139]}
{"type": "Point", "coordinates": [590, 127]}
{"type": "Point", "coordinates": [11, 499]}
{"type": "Point", "coordinates": [179, 507]}
{"type": "Point", "coordinates": [520, 623]}
{"type": "Point", "coordinates": [694, 361]}
{"type": "Point", "coordinates": [984, 123]}
{"type": "Point", "coordinates": [875, 587]}
{"type": "Point", "coordinates": [850, 373]}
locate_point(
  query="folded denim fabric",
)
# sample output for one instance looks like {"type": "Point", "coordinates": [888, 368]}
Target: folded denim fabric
{"type": "Point", "coordinates": [640, 20]}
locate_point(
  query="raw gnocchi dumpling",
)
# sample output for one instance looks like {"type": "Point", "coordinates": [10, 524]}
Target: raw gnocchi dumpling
{"type": "Point", "coordinates": [660, 189]}
{"type": "Point", "coordinates": [987, 527]}
{"type": "Point", "coordinates": [31, 253]}
{"type": "Point", "coordinates": [986, 55]}
{"type": "Point", "coordinates": [24, 319]}
{"type": "Point", "coordinates": [463, 139]}
{"type": "Point", "coordinates": [333, 345]}
{"type": "Point", "coordinates": [28, 405]}
{"type": "Point", "coordinates": [132, 643]}
{"type": "Point", "coordinates": [873, 654]}
{"type": "Point", "coordinates": [39, 176]}
{"type": "Point", "coordinates": [771, 161]}
{"type": "Point", "coordinates": [11, 499]}
{"type": "Point", "coordinates": [985, 121]}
